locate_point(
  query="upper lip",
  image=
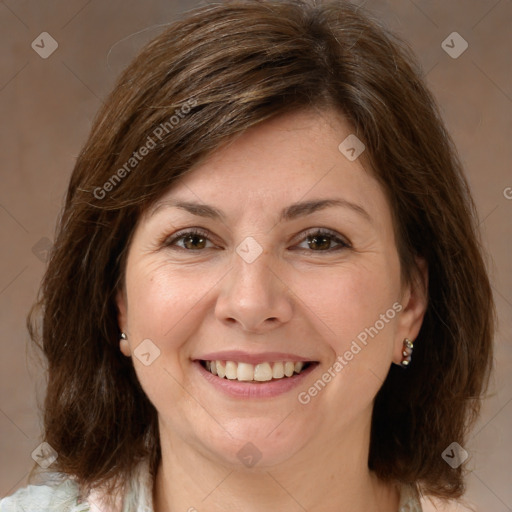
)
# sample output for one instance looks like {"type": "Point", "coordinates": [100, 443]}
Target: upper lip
{"type": "Point", "coordinates": [246, 357]}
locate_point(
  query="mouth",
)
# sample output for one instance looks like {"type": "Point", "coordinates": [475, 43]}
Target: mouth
{"type": "Point", "coordinates": [242, 375]}
{"type": "Point", "coordinates": [227, 380]}
{"type": "Point", "coordinates": [256, 373]}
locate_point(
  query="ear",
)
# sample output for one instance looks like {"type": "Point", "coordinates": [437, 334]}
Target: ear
{"type": "Point", "coordinates": [122, 316]}
{"type": "Point", "coordinates": [414, 302]}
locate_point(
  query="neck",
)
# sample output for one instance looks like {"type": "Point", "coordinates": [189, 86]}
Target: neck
{"type": "Point", "coordinates": [326, 477]}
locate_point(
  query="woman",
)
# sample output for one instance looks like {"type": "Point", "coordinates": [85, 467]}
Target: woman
{"type": "Point", "coordinates": [267, 290]}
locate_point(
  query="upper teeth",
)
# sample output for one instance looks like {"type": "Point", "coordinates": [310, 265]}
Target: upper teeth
{"type": "Point", "coordinates": [259, 372]}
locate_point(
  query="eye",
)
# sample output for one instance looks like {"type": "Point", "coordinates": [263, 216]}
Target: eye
{"type": "Point", "coordinates": [317, 240]}
{"type": "Point", "coordinates": [193, 240]}
{"type": "Point", "coordinates": [321, 240]}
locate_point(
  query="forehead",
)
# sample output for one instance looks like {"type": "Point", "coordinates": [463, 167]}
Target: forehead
{"type": "Point", "coordinates": [278, 162]}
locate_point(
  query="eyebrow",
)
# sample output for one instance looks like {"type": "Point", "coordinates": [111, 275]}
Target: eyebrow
{"type": "Point", "coordinates": [291, 212]}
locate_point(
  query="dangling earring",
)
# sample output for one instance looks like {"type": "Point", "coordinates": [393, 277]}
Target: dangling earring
{"type": "Point", "coordinates": [407, 352]}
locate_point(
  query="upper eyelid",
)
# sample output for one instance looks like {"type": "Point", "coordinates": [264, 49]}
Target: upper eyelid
{"type": "Point", "coordinates": [187, 231]}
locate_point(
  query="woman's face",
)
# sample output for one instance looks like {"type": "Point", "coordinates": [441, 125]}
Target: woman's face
{"type": "Point", "coordinates": [293, 260]}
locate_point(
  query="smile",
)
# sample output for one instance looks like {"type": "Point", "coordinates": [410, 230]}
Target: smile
{"type": "Point", "coordinates": [252, 388]}
{"type": "Point", "coordinates": [261, 372]}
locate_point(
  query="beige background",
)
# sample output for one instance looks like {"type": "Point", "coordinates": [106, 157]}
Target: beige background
{"type": "Point", "coordinates": [46, 108]}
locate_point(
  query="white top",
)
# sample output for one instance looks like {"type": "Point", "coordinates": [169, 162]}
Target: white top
{"type": "Point", "coordinates": [138, 497]}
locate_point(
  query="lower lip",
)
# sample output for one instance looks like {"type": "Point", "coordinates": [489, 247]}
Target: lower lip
{"type": "Point", "coordinates": [267, 389]}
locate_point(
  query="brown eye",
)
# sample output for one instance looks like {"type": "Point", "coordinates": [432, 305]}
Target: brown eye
{"type": "Point", "coordinates": [189, 241]}
{"type": "Point", "coordinates": [319, 242]}
{"type": "Point", "coordinates": [194, 242]}
{"type": "Point", "coordinates": [324, 241]}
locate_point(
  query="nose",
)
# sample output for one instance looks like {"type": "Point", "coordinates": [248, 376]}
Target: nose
{"type": "Point", "coordinates": [254, 296]}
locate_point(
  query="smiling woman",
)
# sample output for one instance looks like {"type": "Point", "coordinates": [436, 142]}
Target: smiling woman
{"type": "Point", "coordinates": [285, 305]}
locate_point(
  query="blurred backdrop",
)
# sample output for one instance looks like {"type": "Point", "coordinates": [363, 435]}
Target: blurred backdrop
{"type": "Point", "coordinates": [59, 60]}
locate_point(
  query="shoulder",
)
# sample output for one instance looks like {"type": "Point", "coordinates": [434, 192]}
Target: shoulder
{"type": "Point", "coordinates": [61, 497]}
{"type": "Point", "coordinates": [61, 493]}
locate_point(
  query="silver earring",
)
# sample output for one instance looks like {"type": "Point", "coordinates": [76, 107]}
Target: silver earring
{"type": "Point", "coordinates": [407, 352]}
{"type": "Point", "coordinates": [123, 336]}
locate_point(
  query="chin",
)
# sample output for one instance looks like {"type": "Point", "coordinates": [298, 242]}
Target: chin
{"type": "Point", "coordinates": [256, 444]}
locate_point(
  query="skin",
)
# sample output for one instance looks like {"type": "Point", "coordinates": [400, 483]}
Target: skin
{"type": "Point", "coordinates": [295, 297]}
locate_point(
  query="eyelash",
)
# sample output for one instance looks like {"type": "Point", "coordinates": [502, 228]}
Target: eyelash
{"type": "Point", "coordinates": [319, 232]}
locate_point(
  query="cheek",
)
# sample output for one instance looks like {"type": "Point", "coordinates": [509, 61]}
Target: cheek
{"type": "Point", "coordinates": [163, 307]}
{"type": "Point", "coordinates": [153, 303]}
{"type": "Point", "coordinates": [347, 300]}
{"type": "Point", "coordinates": [356, 310]}
{"type": "Point", "coordinates": [166, 303]}
{"type": "Point", "coordinates": [345, 304]}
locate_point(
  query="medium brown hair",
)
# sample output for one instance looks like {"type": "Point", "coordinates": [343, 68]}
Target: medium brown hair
{"type": "Point", "coordinates": [207, 79]}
